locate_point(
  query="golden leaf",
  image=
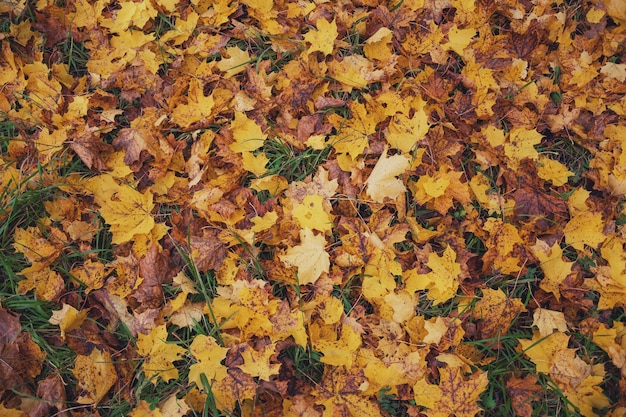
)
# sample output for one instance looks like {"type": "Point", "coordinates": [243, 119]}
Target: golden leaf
{"type": "Point", "coordinates": [311, 214]}
{"type": "Point", "coordinates": [248, 135]}
{"type": "Point", "coordinates": [585, 229]}
{"type": "Point", "coordinates": [310, 257]}
{"type": "Point", "coordinates": [454, 395]}
{"type": "Point", "coordinates": [497, 312]}
{"type": "Point", "coordinates": [95, 375]}
{"type": "Point", "coordinates": [541, 350]}
{"type": "Point", "coordinates": [547, 321]}
{"type": "Point", "coordinates": [209, 356]}
{"type": "Point", "coordinates": [323, 38]}
{"type": "Point", "coordinates": [68, 318]}
{"type": "Point", "coordinates": [125, 209]}
{"type": "Point", "coordinates": [257, 364]}
{"type": "Point", "coordinates": [442, 282]}
{"type": "Point", "coordinates": [382, 182]}
{"type": "Point", "coordinates": [159, 355]}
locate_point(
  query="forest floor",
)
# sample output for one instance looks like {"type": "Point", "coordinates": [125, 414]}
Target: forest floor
{"type": "Point", "coordinates": [311, 208]}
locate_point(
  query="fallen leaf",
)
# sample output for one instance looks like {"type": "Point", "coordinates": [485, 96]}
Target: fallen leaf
{"type": "Point", "coordinates": [323, 38]}
{"type": "Point", "coordinates": [523, 392]}
{"type": "Point", "coordinates": [496, 312]}
{"type": "Point", "coordinates": [125, 209]}
{"type": "Point", "coordinates": [443, 280]}
{"type": "Point", "coordinates": [454, 395]}
{"type": "Point", "coordinates": [159, 355]}
{"type": "Point", "coordinates": [382, 182]}
{"type": "Point", "coordinates": [310, 257]}
{"type": "Point", "coordinates": [68, 318]}
{"type": "Point", "coordinates": [95, 375]}
{"type": "Point", "coordinates": [547, 321]}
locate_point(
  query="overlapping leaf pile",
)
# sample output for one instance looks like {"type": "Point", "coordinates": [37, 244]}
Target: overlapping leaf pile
{"type": "Point", "coordinates": [377, 193]}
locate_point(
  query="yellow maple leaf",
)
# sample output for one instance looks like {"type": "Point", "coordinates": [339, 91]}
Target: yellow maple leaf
{"type": "Point", "coordinates": [405, 133]}
{"type": "Point", "coordinates": [459, 39]}
{"type": "Point", "coordinates": [49, 143]}
{"type": "Point", "coordinates": [340, 395]}
{"type": "Point", "coordinates": [587, 396]}
{"type": "Point", "coordinates": [503, 239]}
{"type": "Point", "coordinates": [43, 91]}
{"type": "Point", "coordinates": [34, 245]}
{"type": "Point", "coordinates": [547, 321]}
{"type": "Point", "coordinates": [441, 189]}
{"type": "Point", "coordinates": [585, 228]}
{"type": "Point", "coordinates": [338, 352]}
{"type": "Point", "coordinates": [521, 144]}
{"type": "Point", "coordinates": [329, 308]}
{"type": "Point", "coordinates": [95, 375]}
{"type": "Point", "coordinates": [455, 395]}
{"type": "Point", "coordinates": [482, 80]}
{"type": "Point", "coordinates": [255, 163]}
{"type": "Point", "coordinates": [541, 350]}
{"type": "Point", "coordinates": [125, 209]}
{"type": "Point", "coordinates": [403, 367]}
{"type": "Point", "coordinates": [235, 63]}
{"type": "Point", "coordinates": [247, 134]}
{"type": "Point", "coordinates": [612, 251]}
{"type": "Point", "coordinates": [354, 71]}
{"type": "Point", "coordinates": [197, 108]}
{"type": "Point", "coordinates": [382, 182]}
{"type": "Point", "coordinates": [354, 134]}
{"type": "Point", "coordinates": [382, 266]}
{"type": "Point", "coordinates": [264, 222]}
{"type": "Point", "coordinates": [48, 284]}
{"type": "Point", "coordinates": [436, 328]}
{"type": "Point", "coordinates": [584, 71]}
{"type": "Point", "coordinates": [182, 31]}
{"type": "Point", "coordinates": [613, 341]}
{"type": "Point", "coordinates": [130, 13]}
{"type": "Point", "coordinates": [442, 282]}
{"type": "Point", "coordinates": [209, 356]}
{"type": "Point", "coordinates": [378, 46]}
{"type": "Point", "coordinates": [174, 407]}
{"type": "Point", "coordinates": [613, 70]}
{"type": "Point", "coordinates": [323, 38]}
{"type": "Point", "coordinates": [494, 201]}
{"type": "Point", "coordinates": [553, 171]}
{"type": "Point", "coordinates": [91, 274]}
{"type": "Point", "coordinates": [497, 312]}
{"type": "Point", "coordinates": [312, 215]}
{"type": "Point", "coordinates": [579, 381]}
{"type": "Point", "coordinates": [68, 318]}
{"type": "Point", "coordinates": [159, 355]}
{"type": "Point", "coordinates": [257, 363]}
{"type": "Point", "coordinates": [402, 304]}
{"type": "Point", "coordinates": [236, 387]}
{"type": "Point", "coordinates": [309, 257]}
{"type": "Point", "coordinates": [554, 268]}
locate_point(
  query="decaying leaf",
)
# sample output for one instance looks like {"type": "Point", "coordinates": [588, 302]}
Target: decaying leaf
{"type": "Point", "coordinates": [454, 395]}
{"type": "Point", "coordinates": [95, 374]}
{"type": "Point", "coordinates": [312, 208]}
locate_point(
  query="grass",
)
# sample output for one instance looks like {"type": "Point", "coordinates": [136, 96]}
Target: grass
{"type": "Point", "coordinates": [290, 163]}
{"type": "Point", "coordinates": [75, 55]}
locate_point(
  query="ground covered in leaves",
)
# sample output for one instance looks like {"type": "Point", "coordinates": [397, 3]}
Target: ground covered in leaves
{"type": "Point", "coordinates": [310, 208]}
